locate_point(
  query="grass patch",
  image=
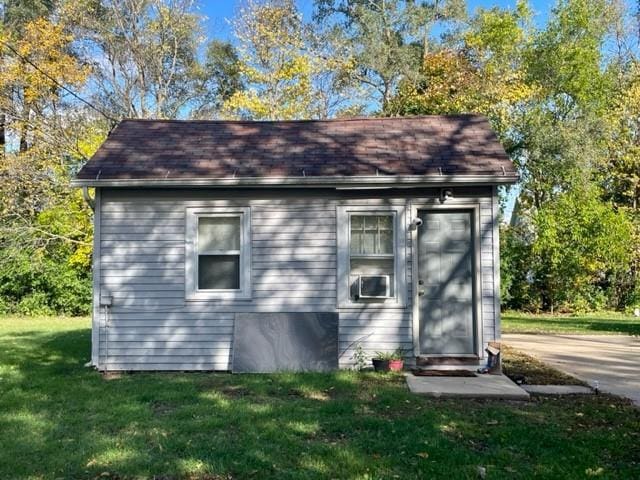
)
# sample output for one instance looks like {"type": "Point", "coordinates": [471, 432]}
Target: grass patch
{"type": "Point", "coordinates": [602, 323]}
{"type": "Point", "coordinates": [516, 364]}
{"type": "Point", "coordinates": [61, 420]}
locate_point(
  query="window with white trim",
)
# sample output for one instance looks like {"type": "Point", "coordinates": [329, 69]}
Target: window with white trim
{"type": "Point", "coordinates": [218, 258]}
{"type": "Point", "coordinates": [371, 255]}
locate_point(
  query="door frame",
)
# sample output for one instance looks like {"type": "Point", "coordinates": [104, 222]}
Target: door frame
{"type": "Point", "coordinates": [474, 209]}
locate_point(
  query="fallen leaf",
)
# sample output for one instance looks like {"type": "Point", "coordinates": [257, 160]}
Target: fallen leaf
{"type": "Point", "coordinates": [423, 454]}
{"type": "Point", "coordinates": [594, 472]}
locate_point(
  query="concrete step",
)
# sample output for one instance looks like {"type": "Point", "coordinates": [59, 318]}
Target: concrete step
{"type": "Point", "coordinates": [429, 361]}
{"type": "Point", "coordinates": [482, 386]}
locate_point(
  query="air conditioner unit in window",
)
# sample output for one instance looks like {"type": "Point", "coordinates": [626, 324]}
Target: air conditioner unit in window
{"type": "Point", "coordinates": [374, 286]}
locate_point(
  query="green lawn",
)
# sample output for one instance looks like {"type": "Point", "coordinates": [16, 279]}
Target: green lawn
{"type": "Point", "coordinates": [59, 419]}
{"type": "Point", "coordinates": [592, 323]}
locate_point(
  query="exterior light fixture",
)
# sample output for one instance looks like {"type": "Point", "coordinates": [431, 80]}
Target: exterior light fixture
{"type": "Point", "coordinates": [445, 194]}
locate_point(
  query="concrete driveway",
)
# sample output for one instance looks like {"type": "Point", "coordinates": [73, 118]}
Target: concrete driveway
{"type": "Point", "coordinates": [612, 360]}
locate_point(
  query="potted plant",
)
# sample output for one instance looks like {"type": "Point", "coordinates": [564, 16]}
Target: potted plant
{"type": "Point", "coordinates": [389, 361]}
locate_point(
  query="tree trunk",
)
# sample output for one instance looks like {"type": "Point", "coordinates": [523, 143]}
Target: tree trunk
{"type": "Point", "coordinates": [3, 133]}
{"type": "Point", "coordinates": [23, 138]}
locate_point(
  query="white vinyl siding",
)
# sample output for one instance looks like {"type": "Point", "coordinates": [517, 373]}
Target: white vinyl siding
{"type": "Point", "coordinates": [293, 244]}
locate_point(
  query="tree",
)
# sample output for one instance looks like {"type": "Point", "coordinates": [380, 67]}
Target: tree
{"type": "Point", "coordinates": [45, 229]}
{"type": "Point", "coordinates": [620, 173]}
{"type": "Point", "coordinates": [581, 244]}
{"type": "Point", "coordinates": [285, 66]}
{"type": "Point", "coordinates": [15, 14]}
{"type": "Point", "coordinates": [33, 69]}
{"type": "Point", "coordinates": [447, 83]}
{"type": "Point", "coordinates": [145, 57]}
{"type": "Point", "coordinates": [566, 58]}
{"type": "Point", "coordinates": [484, 73]}
{"type": "Point", "coordinates": [224, 68]}
{"type": "Point", "coordinates": [387, 38]}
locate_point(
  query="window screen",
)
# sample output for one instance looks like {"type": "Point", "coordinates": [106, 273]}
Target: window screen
{"type": "Point", "coordinates": [219, 244]}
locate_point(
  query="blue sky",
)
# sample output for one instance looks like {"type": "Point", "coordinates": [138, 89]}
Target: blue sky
{"type": "Point", "coordinates": [219, 11]}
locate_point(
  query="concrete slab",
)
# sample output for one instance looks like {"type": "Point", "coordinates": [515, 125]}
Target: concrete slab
{"type": "Point", "coordinates": [611, 360]}
{"type": "Point", "coordinates": [482, 386]}
{"type": "Point", "coordinates": [558, 389]}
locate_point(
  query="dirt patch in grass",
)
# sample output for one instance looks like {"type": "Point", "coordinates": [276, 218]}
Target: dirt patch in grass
{"type": "Point", "coordinates": [234, 391]}
{"type": "Point", "coordinates": [523, 368]}
{"type": "Point", "coordinates": [162, 408]}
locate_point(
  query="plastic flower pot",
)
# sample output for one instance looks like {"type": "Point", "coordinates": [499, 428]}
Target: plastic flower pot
{"type": "Point", "coordinates": [380, 365]}
{"type": "Point", "coordinates": [396, 365]}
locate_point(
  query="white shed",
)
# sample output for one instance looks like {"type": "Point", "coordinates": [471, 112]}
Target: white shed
{"type": "Point", "coordinates": [301, 239]}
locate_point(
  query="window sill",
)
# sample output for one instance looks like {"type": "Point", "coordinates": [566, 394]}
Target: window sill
{"type": "Point", "coordinates": [217, 296]}
{"type": "Point", "coordinates": [388, 303]}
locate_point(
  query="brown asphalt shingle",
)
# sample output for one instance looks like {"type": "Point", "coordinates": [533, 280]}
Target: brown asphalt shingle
{"type": "Point", "coordinates": [431, 145]}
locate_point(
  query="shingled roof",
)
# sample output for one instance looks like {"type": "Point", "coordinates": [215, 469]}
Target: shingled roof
{"type": "Point", "coordinates": [373, 150]}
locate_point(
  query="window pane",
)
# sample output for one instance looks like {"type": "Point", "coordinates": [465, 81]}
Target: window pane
{"type": "Point", "coordinates": [385, 222]}
{"type": "Point", "coordinates": [386, 241]}
{"type": "Point", "coordinates": [371, 234]}
{"type": "Point", "coordinates": [372, 266]}
{"type": "Point", "coordinates": [357, 223]}
{"type": "Point", "coordinates": [371, 222]}
{"type": "Point", "coordinates": [218, 233]}
{"type": "Point", "coordinates": [218, 272]}
{"type": "Point", "coordinates": [356, 242]}
{"type": "Point", "coordinates": [369, 242]}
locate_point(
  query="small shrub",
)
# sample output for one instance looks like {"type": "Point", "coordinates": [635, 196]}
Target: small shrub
{"type": "Point", "coordinates": [36, 303]}
{"type": "Point", "coordinates": [359, 358]}
{"type": "Point", "coordinates": [71, 293]}
{"type": "Point", "coordinates": [5, 306]}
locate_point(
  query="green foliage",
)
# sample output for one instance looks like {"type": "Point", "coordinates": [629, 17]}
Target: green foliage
{"type": "Point", "coordinates": [576, 256]}
{"type": "Point", "coordinates": [567, 115]}
{"type": "Point", "coordinates": [152, 64]}
{"type": "Point", "coordinates": [288, 69]}
{"type": "Point", "coordinates": [397, 354]}
{"type": "Point", "coordinates": [516, 288]}
{"type": "Point", "coordinates": [43, 284]}
{"type": "Point", "coordinates": [359, 357]}
{"type": "Point", "coordinates": [581, 244]}
{"type": "Point", "coordinates": [34, 304]}
{"type": "Point", "coordinates": [566, 57]}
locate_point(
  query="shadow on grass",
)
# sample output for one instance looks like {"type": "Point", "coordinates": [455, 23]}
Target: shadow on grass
{"type": "Point", "coordinates": [78, 424]}
{"type": "Point", "coordinates": [59, 419]}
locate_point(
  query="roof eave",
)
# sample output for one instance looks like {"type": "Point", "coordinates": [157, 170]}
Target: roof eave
{"type": "Point", "coordinates": [330, 182]}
